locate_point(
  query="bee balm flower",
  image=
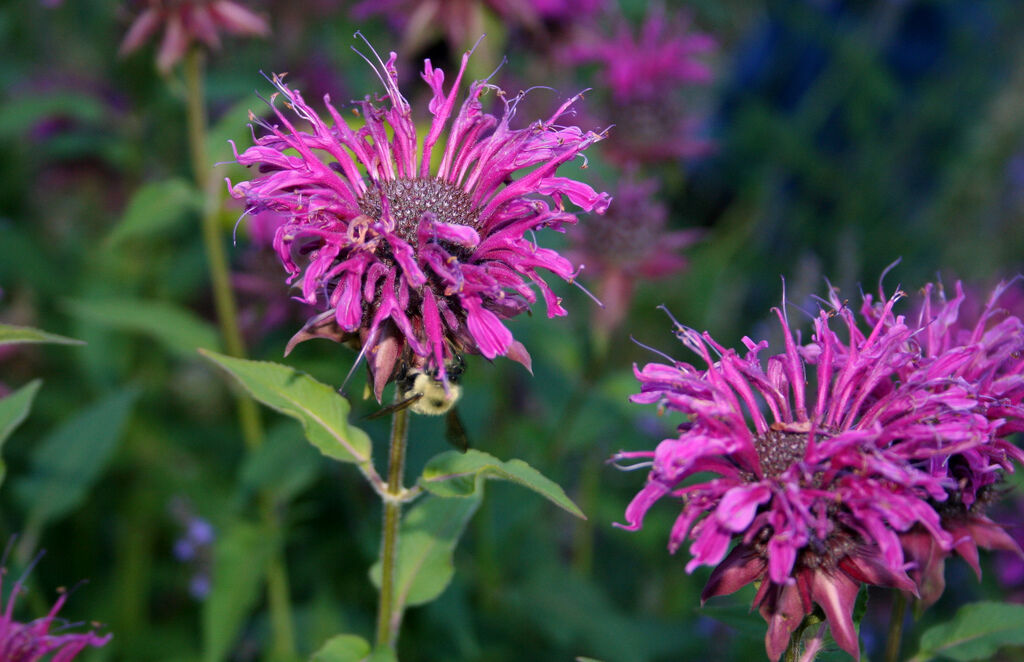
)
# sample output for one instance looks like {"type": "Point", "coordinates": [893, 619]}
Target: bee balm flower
{"type": "Point", "coordinates": [821, 459]}
{"type": "Point", "coordinates": [188, 21]}
{"type": "Point", "coordinates": [30, 642]}
{"type": "Point", "coordinates": [418, 246]}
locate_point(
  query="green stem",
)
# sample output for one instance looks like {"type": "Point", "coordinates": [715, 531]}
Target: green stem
{"type": "Point", "coordinates": [283, 638]}
{"type": "Point", "coordinates": [388, 617]}
{"type": "Point", "coordinates": [895, 636]}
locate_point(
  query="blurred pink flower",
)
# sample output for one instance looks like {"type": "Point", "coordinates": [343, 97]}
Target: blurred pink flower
{"type": "Point", "coordinates": [463, 21]}
{"type": "Point", "coordinates": [418, 261]}
{"type": "Point", "coordinates": [32, 641]}
{"type": "Point", "coordinates": [651, 76]}
{"type": "Point", "coordinates": [629, 243]}
{"type": "Point", "coordinates": [822, 457]}
{"type": "Point", "coordinates": [188, 21]}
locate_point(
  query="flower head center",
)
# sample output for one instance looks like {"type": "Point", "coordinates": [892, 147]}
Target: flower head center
{"type": "Point", "coordinates": [409, 199]}
{"type": "Point", "coordinates": [778, 451]}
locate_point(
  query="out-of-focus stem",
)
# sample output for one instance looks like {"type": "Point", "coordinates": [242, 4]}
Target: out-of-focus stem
{"type": "Point", "coordinates": [895, 636]}
{"type": "Point", "coordinates": [279, 604]}
{"type": "Point", "coordinates": [388, 618]}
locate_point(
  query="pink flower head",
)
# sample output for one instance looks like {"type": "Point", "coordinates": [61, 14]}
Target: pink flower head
{"type": "Point", "coordinates": [464, 20]}
{"type": "Point", "coordinates": [986, 350]}
{"type": "Point", "coordinates": [188, 21]}
{"type": "Point", "coordinates": [822, 458]}
{"type": "Point", "coordinates": [651, 76]}
{"type": "Point", "coordinates": [32, 641]}
{"type": "Point", "coordinates": [419, 248]}
{"type": "Point", "coordinates": [629, 243]}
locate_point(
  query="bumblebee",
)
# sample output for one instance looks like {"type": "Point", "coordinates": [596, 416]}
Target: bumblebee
{"type": "Point", "coordinates": [421, 391]}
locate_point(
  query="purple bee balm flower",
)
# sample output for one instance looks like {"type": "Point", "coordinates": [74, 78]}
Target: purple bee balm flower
{"type": "Point", "coordinates": [985, 350]}
{"type": "Point", "coordinates": [628, 244]}
{"type": "Point", "coordinates": [32, 641]}
{"type": "Point", "coordinates": [420, 250]}
{"type": "Point", "coordinates": [463, 21]}
{"type": "Point", "coordinates": [188, 21]}
{"type": "Point", "coordinates": [821, 456]}
{"type": "Point", "coordinates": [651, 76]}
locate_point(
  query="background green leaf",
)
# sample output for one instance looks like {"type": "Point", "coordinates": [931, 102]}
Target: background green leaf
{"type": "Point", "coordinates": [318, 407]}
{"type": "Point", "coordinates": [10, 334]}
{"type": "Point", "coordinates": [155, 208]}
{"type": "Point", "coordinates": [174, 327]}
{"type": "Point", "coordinates": [13, 410]}
{"type": "Point", "coordinates": [343, 648]}
{"type": "Point", "coordinates": [66, 464]}
{"type": "Point", "coordinates": [976, 632]}
{"type": "Point", "coordinates": [454, 474]}
{"type": "Point", "coordinates": [430, 531]}
{"type": "Point", "coordinates": [240, 559]}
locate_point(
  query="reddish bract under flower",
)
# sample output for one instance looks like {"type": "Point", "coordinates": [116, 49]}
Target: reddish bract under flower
{"type": "Point", "coordinates": [816, 478]}
{"type": "Point", "coordinates": [418, 262]}
{"type": "Point", "coordinates": [29, 642]}
{"type": "Point", "coordinates": [188, 21]}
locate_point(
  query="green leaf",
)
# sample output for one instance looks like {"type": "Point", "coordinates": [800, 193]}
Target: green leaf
{"type": "Point", "coordinates": [282, 466]}
{"type": "Point", "coordinates": [976, 632]}
{"type": "Point", "coordinates": [454, 474]}
{"type": "Point", "coordinates": [343, 648]}
{"type": "Point", "coordinates": [10, 334]}
{"type": "Point", "coordinates": [174, 327]}
{"type": "Point", "coordinates": [318, 407]}
{"type": "Point", "coordinates": [13, 410]}
{"type": "Point", "coordinates": [155, 208]}
{"type": "Point", "coordinates": [430, 531]}
{"type": "Point", "coordinates": [240, 558]}
{"type": "Point", "coordinates": [66, 464]}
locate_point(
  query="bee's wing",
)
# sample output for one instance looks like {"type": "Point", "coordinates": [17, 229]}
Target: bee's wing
{"type": "Point", "coordinates": [398, 406]}
{"type": "Point", "coordinates": [455, 432]}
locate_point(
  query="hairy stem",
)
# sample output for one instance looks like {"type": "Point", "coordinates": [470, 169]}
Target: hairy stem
{"type": "Point", "coordinates": [895, 636]}
{"type": "Point", "coordinates": [388, 616]}
{"type": "Point", "coordinates": [278, 600]}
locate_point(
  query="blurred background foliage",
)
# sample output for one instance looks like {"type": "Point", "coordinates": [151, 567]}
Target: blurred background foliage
{"type": "Point", "coordinates": [847, 134]}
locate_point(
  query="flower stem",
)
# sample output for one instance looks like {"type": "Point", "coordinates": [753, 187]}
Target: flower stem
{"type": "Point", "coordinates": [283, 638]}
{"type": "Point", "coordinates": [895, 636]}
{"type": "Point", "coordinates": [388, 617]}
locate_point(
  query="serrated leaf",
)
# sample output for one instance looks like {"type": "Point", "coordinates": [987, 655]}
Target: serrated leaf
{"type": "Point", "coordinates": [318, 407]}
{"type": "Point", "coordinates": [976, 632]}
{"type": "Point", "coordinates": [430, 531]}
{"type": "Point", "coordinates": [10, 334]}
{"type": "Point", "coordinates": [66, 464]}
{"type": "Point", "coordinates": [13, 410]}
{"type": "Point", "coordinates": [155, 208]}
{"type": "Point", "coordinates": [454, 474]}
{"type": "Point", "coordinates": [240, 557]}
{"type": "Point", "coordinates": [343, 648]}
{"type": "Point", "coordinates": [174, 327]}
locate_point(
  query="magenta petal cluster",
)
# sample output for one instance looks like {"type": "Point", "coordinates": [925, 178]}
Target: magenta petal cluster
{"type": "Point", "coordinates": [825, 458]}
{"type": "Point", "coordinates": [983, 347]}
{"type": "Point", "coordinates": [188, 21]}
{"type": "Point", "coordinates": [630, 243]}
{"type": "Point", "coordinates": [418, 246]}
{"type": "Point", "coordinates": [32, 641]}
{"type": "Point", "coordinates": [651, 74]}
